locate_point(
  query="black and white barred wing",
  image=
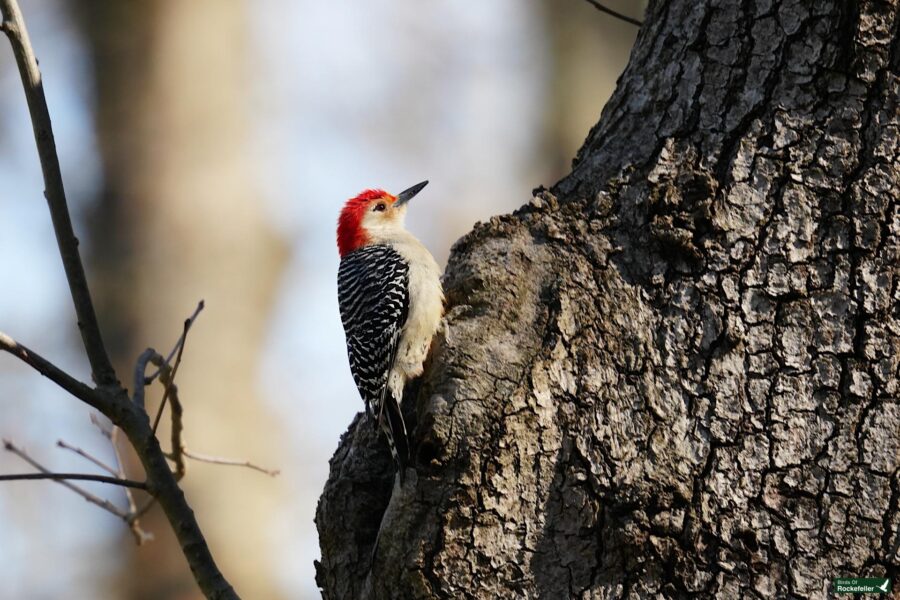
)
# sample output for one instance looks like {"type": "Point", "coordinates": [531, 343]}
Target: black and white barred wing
{"type": "Point", "coordinates": [373, 284]}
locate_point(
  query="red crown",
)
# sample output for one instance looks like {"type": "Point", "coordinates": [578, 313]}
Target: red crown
{"type": "Point", "coordinates": [350, 233]}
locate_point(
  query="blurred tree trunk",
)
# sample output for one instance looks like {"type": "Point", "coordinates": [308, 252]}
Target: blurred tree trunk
{"type": "Point", "coordinates": [587, 51]}
{"type": "Point", "coordinates": [180, 219]}
{"type": "Point", "coordinates": [677, 371]}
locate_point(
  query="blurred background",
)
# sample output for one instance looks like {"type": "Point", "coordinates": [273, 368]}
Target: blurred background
{"type": "Point", "coordinates": [207, 147]}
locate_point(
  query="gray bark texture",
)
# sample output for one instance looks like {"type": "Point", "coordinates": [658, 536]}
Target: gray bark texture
{"type": "Point", "coordinates": [675, 373]}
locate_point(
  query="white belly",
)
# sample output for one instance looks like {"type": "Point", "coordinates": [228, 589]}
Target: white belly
{"type": "Point", "coordinates": [426, 305]}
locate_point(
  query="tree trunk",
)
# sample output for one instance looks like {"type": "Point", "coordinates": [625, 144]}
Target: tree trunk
{"type": "Point", "coordinates": [677, 371]}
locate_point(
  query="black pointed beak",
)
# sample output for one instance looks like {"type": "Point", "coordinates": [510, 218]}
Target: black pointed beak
{"type": "Point", "coordinates": [407, 195]}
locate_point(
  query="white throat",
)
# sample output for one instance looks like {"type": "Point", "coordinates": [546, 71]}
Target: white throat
{"type": "Point", "coordinates": [386, 230]}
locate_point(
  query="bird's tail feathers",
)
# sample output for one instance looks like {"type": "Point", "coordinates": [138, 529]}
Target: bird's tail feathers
{"type": "Point", "coordinates": [395, 431]}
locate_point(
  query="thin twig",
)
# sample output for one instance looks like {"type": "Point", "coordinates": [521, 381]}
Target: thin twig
{"type": "Point", "coordinates": [159, 411]}
{"type": "Point", "coordinates": [140, 368]}
{"type": "Point", "coordinates": [62, 477]}
{"type": "Point", "coordinates": [141, 380]}
{"type": "Point", "coordinates": [51, 371]}
{"type": "Point", "coordinates": [130, 517]}
{"type": "Point", "coordinates": [180, 343]}
{"type": "Point", "coordinates": [14, 28]}
{"type": "Point", "coordinates": [215, 460]}
{"type": "Point", "coordinates": [178, 448]}
{"type": "Point", "coordinates": [140, 535]}
{"type": "Point", "coordinates": [615, 14]}
{"type": "Point", "coordinates": [166, 375]}
{"type": "Point", "coordinates": [91, 458]}
{"type": "Point", "coordinates": [47, 474]}
{"type": "Point", "coordinates": [107, 433]}
{"type": "Point", "coordinates": [169, 380]}
{"type": "Point", "coordinates": [133, 521]}
{"type": "Point", "coordinates": [109, 397]}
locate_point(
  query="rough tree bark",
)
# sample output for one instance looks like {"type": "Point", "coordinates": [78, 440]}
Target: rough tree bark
{"type": "Point", "coordinates": [675, 372]}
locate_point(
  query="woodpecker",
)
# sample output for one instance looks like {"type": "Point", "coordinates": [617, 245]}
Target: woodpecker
{"type": "Point", "coordinates": [391, 302]}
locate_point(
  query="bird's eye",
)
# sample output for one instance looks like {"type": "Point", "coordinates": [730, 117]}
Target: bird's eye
{"type": "Point", "coordinates": [380, 207]}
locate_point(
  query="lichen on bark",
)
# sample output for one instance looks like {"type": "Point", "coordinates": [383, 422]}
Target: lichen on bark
{"type": "Point", "coordinates": [676, 371]}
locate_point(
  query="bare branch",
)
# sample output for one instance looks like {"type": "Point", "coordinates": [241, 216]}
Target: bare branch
{"type": "Point", "coordinates": [130, 517]}
{"type": "Point", "coordinates": [109, 397]}
{"type": "Point", "coordinates": [14, 28]}
{"type": "Point", "coordinates": [91, 458]}
{"type": "Point", "coordinates": [76, 477]}
{"type": "Point", "coordinates": [47, 474]}
{"type": "Point", "coordinates": [215, 460]}
{"type": "Point", "coordinates": [168, 379]}
{"type": "Point", "coordinates": [144, 509]}
{"type": "Point", "coordinates": [140, 535]}
{"type": "Point", "coordinates": [107, 433]}
{"type": "Point", "coordinates": [615, 14]}
{"type": "Point", "coordinates": [179, 345]}
{"type": "Point", "coordinates": [164, 370]}
{"type": "Point", "coordinates": [178, 448]}
{"type": "Point", "coordinates": [140, 368]}
{"type": "Point", "coordinates": [52, 372]}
